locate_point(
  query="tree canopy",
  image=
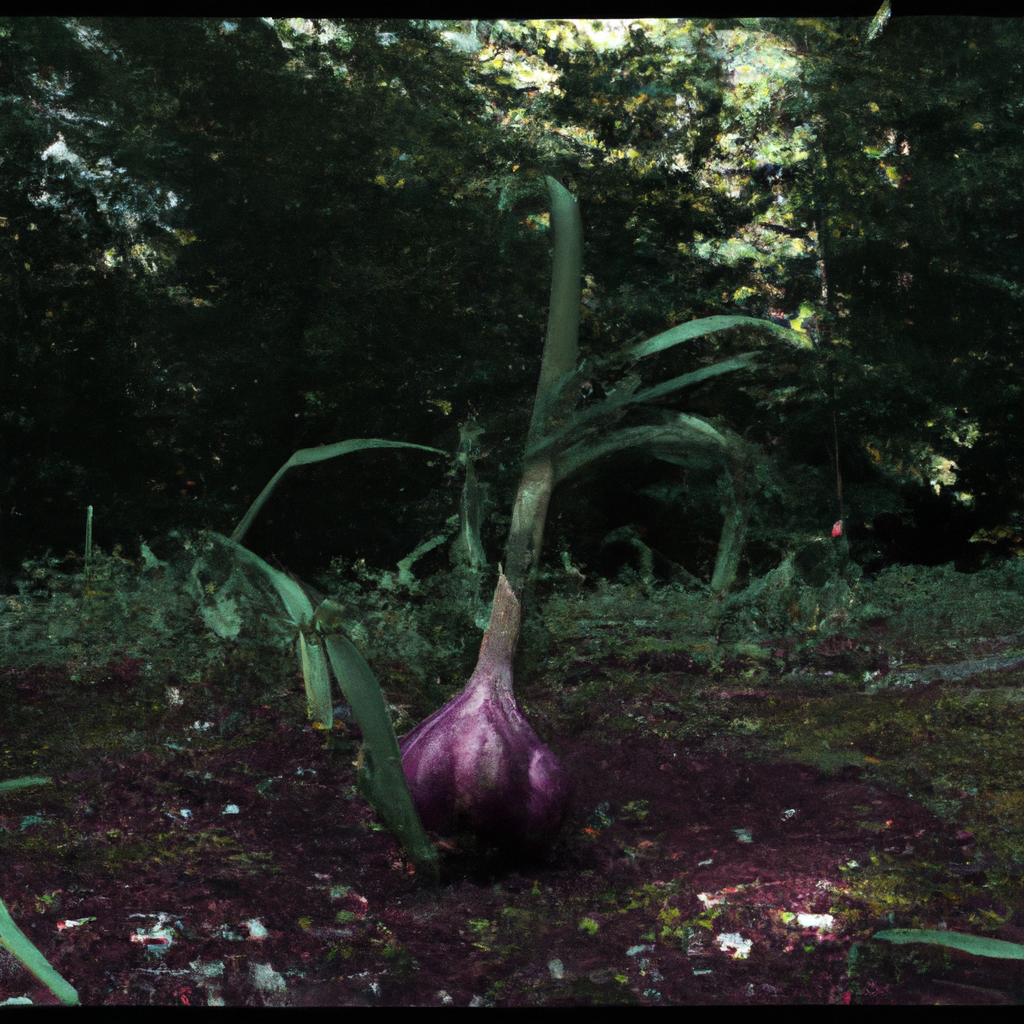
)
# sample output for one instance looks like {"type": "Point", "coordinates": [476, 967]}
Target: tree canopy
{"type": "Point", "coordinates": [222, 241]}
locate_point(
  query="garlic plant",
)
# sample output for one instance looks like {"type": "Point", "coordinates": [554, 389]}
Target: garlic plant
{"type": "Point", "coordinates": [476, 764]}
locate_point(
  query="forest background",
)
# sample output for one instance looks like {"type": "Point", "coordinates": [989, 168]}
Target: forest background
{"type": "Point", "coordinates": [222, 241]}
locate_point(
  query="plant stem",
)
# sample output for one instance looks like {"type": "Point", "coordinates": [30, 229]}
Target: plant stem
{"type": "Point", "coordinates": [528, 518]}
{"type": "Point", "coordinates": [502, 636]}
{"type": "Point", "coordinates": [560, 350]}
{"type": "Point", "coordinates": [88, 549]}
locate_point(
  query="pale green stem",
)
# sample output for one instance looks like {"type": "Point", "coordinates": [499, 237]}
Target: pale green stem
{"type": "Point", "coordinates": [88, 548]}
{"type": "Point", "coordinates": [529, 513]}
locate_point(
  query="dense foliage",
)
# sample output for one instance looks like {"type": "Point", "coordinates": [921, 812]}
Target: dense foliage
{"type": "Point", "coordinates": [222, 241]}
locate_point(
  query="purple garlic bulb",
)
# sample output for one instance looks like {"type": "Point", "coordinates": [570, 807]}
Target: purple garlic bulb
{"type": "Point", "coordinates": [476, 764]}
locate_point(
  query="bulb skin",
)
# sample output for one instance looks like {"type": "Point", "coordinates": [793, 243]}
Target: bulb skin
{"type": "Point", "coordinates": [477, 764]}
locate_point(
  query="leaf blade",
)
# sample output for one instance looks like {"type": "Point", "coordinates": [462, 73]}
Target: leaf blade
{"type": "Point", "coordinates": [979, 945]}
{"type": "Point", "coordinates": [381, 778]}
{"type": "Point", "coordinates": [317, 678]}
{"type": "Point", "coordinates": [307, 456]}
{"type": "Point", "coordinates": [16, 942]}
{"type": "Point", "coordinates": [704, 326]}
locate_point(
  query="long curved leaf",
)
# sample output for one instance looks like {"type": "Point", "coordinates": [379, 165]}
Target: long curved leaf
{"type": "Point", "coordinates": [708, 325]}
{"type": "Point", "coordinates": [380, 776]}
{"type": "Point", "coordinates": [598, 415]}
{"type": "Point", "coordinates": [15, 941]}
{"type": "Point", "coordinates": [687, 442]}
{"type": "Point", "coordinates": [687, 380]}
{"type": "Point", "coordinates": [979, 945]}
{"type": "Point", "coordinates": [561, 342]}
{"type": "Point", "coordinates": [304, 456]}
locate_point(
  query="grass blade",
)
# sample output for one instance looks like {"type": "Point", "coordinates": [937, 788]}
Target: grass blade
{"type": "Point", "coordinates": [26, 780]}
{"type": "Point", "coordinates": [15, 941]}
{"type": "Point", "coordinates": [708, 325]}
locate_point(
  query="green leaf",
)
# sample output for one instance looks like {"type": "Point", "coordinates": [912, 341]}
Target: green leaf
{"type": "Point", "coordinates": [687, 441]}
{"type": "Point", "coordinates": [878, 22]}
{"type": "Point", "coordinates": [296, 601]}
{"type": "Point", "coordinates": [26, 780]}
{"type": "Point", "coordinates": [14, 940]}
{"type": "Point", "coordinates": [601, 414]}
{"type": "Point", "coordinates": [381, 778]}
{"type": "Point", "coordinates": [562, 341]}
{"type": "Point", "coordinates": [305, 456]}
{"type": "Point", "coordinates": [976, 944]}
{"type": "Point", "coordinates": [317, 678]}
{"type": "Point", "coordinates": [689, 379]}
{"type": "Point", "coordinates": [703, 326]}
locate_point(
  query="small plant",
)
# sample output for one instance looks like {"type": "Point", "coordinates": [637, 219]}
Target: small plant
{"type": "Point", "coordinates": [321, 647]}
{"type": "Point", "coordinates": [321, 643]}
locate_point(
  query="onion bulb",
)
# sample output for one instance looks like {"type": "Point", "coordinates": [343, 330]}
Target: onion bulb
{"type": "Point", "coordinates": [476, 764]}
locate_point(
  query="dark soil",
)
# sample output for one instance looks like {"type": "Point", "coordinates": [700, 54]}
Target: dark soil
{"type": "Point", "coordinates": [738, 835]}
